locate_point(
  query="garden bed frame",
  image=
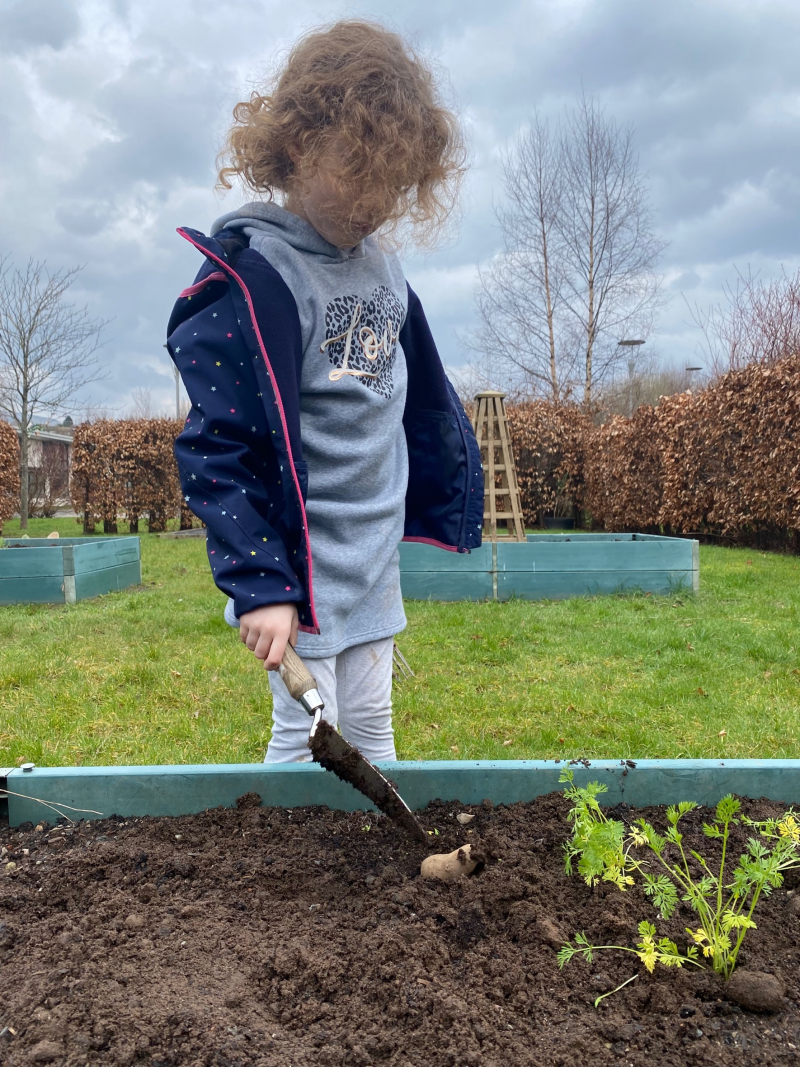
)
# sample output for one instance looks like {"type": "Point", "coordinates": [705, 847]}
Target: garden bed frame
{"type": "Point", "coordinates": [184, 790]}
{"type": "Point", "coordinates": [38, 570]}
{"type": "Point", "coordinates": [552, 567]}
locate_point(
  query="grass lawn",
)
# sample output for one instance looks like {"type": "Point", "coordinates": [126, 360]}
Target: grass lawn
{"type": "Point", "coordinates": [154, 675]}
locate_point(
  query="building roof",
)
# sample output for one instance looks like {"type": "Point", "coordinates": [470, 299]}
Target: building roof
{"type": "Point", "coordinates": [51, 433]}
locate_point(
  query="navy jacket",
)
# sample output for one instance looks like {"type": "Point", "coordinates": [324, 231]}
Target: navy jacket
{"type": "Point", "coordinates": [234, 335]}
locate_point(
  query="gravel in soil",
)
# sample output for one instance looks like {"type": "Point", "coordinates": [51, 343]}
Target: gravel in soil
{"type": "Point", "coordinates": [265, 937]}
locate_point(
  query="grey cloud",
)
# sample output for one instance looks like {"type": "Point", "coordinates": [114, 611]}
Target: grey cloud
{"type": "Point", "coordinates": [82, 217]}
{"type": "Point", "coordinates": [687, 279]}
{"type": "Point", "coordinates": [712, 91]}
{"type": "Point", "coordinates": [710, 86]}
{"type": "Point", "coordinates": [28, 24]}
{"type": "Point", "coordinates": [164, 129]}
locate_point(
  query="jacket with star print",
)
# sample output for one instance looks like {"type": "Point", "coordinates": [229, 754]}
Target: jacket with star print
{"type": "Point", "coordinates": [235, 338]}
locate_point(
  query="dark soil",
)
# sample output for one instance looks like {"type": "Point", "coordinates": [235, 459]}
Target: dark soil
{"type": "Point", "coordinates": [23, 544]}
{"type": "Point", "coordinates": [332, 752]}
{"type": "Point", "coordinates": [268, 937]}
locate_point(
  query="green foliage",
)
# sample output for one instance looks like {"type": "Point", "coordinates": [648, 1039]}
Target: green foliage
{"type": "Point", "coordinates": [723, 903]}
{"type": "Point", "coordinates": [580, 948]}
{"type": "Point", "coordinates": [597, 842]}
{"type": "Point", "coordinates": [662, 892]}
{"type": "Point", "coordinates": [650, 949]}
{"type": "Point", "coordinates": [777, 829]}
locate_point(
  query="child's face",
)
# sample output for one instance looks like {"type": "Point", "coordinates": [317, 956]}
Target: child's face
{"type": "Point", "coordinates": [319, 199]}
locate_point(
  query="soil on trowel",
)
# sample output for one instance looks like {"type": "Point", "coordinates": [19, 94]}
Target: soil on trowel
{"type": "Point", "coordinates": [255, 936]}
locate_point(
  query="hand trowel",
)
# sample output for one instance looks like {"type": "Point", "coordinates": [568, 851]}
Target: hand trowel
{"type": "Point", "coordinates": [332, 752]}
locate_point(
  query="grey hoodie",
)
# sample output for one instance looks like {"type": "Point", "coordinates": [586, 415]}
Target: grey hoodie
{"type": "Point", "coordinates": [352, 304]}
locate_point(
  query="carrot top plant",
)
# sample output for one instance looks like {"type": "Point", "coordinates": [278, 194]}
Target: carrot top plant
{"type": "Point", "coordinates": [597, 843]}
{"type": "Point", "coordinates": [723, 900]}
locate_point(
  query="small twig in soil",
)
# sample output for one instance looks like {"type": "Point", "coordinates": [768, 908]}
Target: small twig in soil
{"type": "Point", "coordinates": [24, 796]}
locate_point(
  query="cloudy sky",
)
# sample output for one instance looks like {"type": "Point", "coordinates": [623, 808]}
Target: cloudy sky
{"type": "Point", "coordinates": [111, 113]}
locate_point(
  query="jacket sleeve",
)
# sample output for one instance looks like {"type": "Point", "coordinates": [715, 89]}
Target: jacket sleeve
{"type": "Point", "coordinates": [229, 469]}
{"type": "Point", "coordinates": [444, 501]}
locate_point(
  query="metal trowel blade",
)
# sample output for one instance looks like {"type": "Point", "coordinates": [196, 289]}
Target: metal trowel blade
{"type": "Point", "coordinates": [332, 752]}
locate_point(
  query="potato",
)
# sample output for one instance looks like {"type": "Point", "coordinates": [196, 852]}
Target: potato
{"type": "Point", "coordinates": [449, 867]}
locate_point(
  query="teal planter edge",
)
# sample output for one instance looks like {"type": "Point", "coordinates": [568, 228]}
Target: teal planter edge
{"type": "Point", "coordinates": [38, 570]}
{"type": "Point", "coordinates": [184, 790]}
{"type": "Point", "coordinates": [552, 567]}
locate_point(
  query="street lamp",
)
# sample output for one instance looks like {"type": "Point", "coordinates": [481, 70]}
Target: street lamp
{"type": "Point", "coordinates": [630, 343]}
{"type": "Point", "coordinates": [177, 374]}
{"type": "Point", "coordinates": [690, 371]}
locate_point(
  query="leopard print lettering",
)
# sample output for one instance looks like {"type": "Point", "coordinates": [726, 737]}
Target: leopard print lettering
{"type": "Point", "coordinates": [361, 338]}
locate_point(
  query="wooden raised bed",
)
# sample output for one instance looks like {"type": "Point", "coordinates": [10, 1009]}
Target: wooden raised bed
{"type": "Point", "coordinates": [552, 567]}
{"type": "Point", "coordinates": [40, 571]}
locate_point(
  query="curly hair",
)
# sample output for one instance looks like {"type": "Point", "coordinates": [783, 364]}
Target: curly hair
{"type": "Point", "coordinates": [358, 88]}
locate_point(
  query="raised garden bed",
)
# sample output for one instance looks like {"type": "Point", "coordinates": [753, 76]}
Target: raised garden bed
{"type": "Point", "coordinates": [552, 567]}
{"type": "Point", "coordinates": [187, 789]}
{"type": "Point", "coordinates": [37, 570]}
{"type": "Point", "coordinates": [268, 937]}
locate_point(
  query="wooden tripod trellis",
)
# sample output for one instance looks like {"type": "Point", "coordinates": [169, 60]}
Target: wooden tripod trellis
{"type": "Point", "coordinates": [490, 423]}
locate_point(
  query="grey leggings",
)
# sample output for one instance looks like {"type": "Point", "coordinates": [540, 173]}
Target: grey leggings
{"type": "Point", "coordinates": [356, 686]}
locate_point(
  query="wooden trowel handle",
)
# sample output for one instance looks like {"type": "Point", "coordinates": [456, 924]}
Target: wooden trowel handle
{"type": "Point", "coordinates": [295, 675]}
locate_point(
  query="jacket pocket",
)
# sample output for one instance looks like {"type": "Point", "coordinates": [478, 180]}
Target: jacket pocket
{"type": "Point", "coordinates": [437, 477]}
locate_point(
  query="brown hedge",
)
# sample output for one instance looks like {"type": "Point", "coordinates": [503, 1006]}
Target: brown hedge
{"type": "Point", "coordinates": [548, 442]}
{"type": "Point", "coordinates": [125, 468]}
{"type": "Point", "coordinates": [623, 472]}
{"type": "Point", "coordinates": [724, 461]}
{"type": "Point", "coordinates": [9, 473]}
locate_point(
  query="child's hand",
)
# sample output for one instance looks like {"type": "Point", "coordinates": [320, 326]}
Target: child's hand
{"type": "Point", "coordinates": [266, 630]}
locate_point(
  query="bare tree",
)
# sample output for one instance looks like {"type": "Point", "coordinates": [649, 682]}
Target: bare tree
{"type": "Point", "coordinates": [609, 246]}
{"type": "Point", "coordinates": [469, 379]}
{"type": "Point", "coordinates": [577, 273]}
{"type": "Point", "coordinates": [518, 294]}
{"type": "Point", "coordinates": [644, 381]}
{"type": "Point", "coordinates": [757, 322]}
{"type": "Point", "coordinates": [89, 411]}
{"type": "Point", "coordinates": [48, 351]}
{"type": "Point", "coordinates": [142, 405]}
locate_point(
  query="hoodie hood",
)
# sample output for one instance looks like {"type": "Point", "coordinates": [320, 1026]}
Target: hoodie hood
{"type": "Point", "coordinates": [260, 219]}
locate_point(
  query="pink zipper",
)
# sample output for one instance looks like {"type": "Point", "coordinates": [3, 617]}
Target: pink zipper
{"type": "Point", "coordinates": [306, 629]}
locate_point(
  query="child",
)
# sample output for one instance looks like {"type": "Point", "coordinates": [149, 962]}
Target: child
{"type": "Point", "coordinates": [323, 429]}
